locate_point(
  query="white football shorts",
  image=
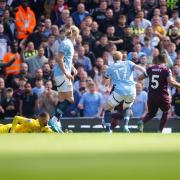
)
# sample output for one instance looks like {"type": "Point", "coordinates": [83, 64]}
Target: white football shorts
{"type": "Point", "coordinates": [63, 84]}
{"type": "Point", "coordinates": [115, 99]}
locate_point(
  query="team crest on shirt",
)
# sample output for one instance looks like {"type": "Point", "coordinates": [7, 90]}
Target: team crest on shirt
{"type": "Point", "coordinates": [28, 120]}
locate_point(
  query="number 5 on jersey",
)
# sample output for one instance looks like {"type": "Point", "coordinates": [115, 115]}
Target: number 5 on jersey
{"type": "Point", "coordinates": [154, 81]}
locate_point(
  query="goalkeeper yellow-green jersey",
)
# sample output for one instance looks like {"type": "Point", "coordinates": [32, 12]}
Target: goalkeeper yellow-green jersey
{"type": "Point", "coordinates": [24, 125]}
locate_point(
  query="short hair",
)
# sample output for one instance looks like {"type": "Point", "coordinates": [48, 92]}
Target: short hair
{"type": "Point", "coordinates": [175, 11]}
{"type": "Point", "coordinates": [9, 89]}
{"type": "Point", "coordinates": [51, 35]}
{"type": "Point", "coordinates": [146, 38]}
{"type": "Point", "coordinates": [117, 55]}
{"type": "Point", "coordinates": [122, 16]}
{"type": "Point", "coordinates": [45, 117]}
{"type": "Point", "coordinates": [23, 79]}
{"type": "Point", "coordinates": [27, 83]}
{"type": "Point", "coordinates": [160, 59]}
{"type": "Point", "coordinates": [43, 114]}
{"type": "Point", "coordinates": [103, 36]}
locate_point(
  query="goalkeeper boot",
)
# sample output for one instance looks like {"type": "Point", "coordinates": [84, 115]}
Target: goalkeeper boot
{"type": "Point", "coordinates": [54, 125]}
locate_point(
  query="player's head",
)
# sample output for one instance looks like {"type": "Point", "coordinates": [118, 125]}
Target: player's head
{"type": "Point", "coordinates": [160, 59]}
{"type": "Point", "coordinates": [43, 118]}
{"type": "Point", "coordinates": [117, 56]}
{"type": "Point", "coordinates": [72, 32]}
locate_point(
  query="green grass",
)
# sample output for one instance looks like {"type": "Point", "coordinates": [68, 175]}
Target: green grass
{"type": "Point", "coordinates": [90, 156]}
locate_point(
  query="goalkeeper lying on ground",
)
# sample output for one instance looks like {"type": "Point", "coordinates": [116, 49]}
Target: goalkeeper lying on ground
{"type": "Point", "coordinates": [25, 125]}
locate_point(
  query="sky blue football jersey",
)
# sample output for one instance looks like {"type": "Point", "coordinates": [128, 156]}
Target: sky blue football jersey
{"type": "Point", "coordinates": [67, 49]}
{"type": "Point", "coordinates": [121, 74]}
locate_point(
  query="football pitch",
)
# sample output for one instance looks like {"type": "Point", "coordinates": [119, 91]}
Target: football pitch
{"type": "Point", "coordinates": [91, 156]}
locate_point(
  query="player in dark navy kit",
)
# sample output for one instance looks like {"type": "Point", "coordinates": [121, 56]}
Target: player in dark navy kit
{"type": "Point", "coordinates": [159, 78]}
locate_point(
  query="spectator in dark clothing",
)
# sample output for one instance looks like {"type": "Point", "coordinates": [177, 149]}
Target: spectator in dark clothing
{"type": "Point", "coordinates": [102, 47]}
{"type": "Point", "coordinates": [8, 104]}
{"type": "Point", "coordinates": [58, 9]}
{"type": "Point", "coordinates": [47, 50]}
{"type": "Point", "coordinates": [173, 34]}
{"type": "Point", "coordinates": [100, 14]}
{"type": "Point", "coordinates": [37, 37]}
{"type": "Point", "coordinates": [149, 8]}
{"type": "Point", "coordinates": [95, 30]}
{"type": "Point", "coordinates": [24, 72]}
{"type": "Point", "coordinates": [9, 25]}
{"type": "Point", "coordinates": [117, 9]}
{"type": "Point", "coordinates": [112, 38]}
{"type": "Point", "coordinates": [38, 8]}
{"type": "Point", "coordinates": [96, 71]}
{"type": "Point", "coordinates": [109, 21]}
{"type": "Point", "coordinates": [119, 28]}
{"type": "Point", "coordinates": [87, 37]}
{"type": "Point", "coordinates": [28, 105]}
{"type": "Point", "coordinates": [89, 53]}
{"type": "Point", "coordinates": [18, 93]}
{"type": "Point", "coordinates": [132, 13]}
{"type": "Point", "coordinates": [92, 6]}
{"type": "Point", "coordinates": [126, 5]}
{"type": "Point", "coordinates": [38, 75]}
{"type": "Point", "coordinates": [47, 72]}
{"type": "Point", "coordinates": [127, 40]}
{"type": "Point", "coordinates": [61, 20]}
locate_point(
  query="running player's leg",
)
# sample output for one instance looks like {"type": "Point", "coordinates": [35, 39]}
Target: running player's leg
{"type": "Point", "coordinates": [113, 100]}
{"type": "Point", "coordinates": [65, 91]}
{"type": "Point", "coordinates": [128, 101]}
{"type": "Point", "coordinates": [164, 106]}
{"type": "Point", "coordinates": [117, 115]}
{"type": "Point", "coordinates": [152, 110]}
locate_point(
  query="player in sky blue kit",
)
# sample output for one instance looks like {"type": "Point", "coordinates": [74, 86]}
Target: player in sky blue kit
{"type": "Point", "coordinates": [121, 75]}
{"type": "Point", "coordinates": [63, 78]}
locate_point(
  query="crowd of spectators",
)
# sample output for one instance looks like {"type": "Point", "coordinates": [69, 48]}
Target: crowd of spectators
{"type": "Point", "coordinates": [30, 34]}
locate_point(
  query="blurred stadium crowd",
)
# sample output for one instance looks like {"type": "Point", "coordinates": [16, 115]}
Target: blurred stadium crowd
{"type": "Point", "coordinates": [30, 34]}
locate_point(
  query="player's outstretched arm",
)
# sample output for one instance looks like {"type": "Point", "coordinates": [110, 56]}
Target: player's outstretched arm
{"type": "Point", "coordinates": [143, 70]}
{"type": "Point", "coordinates": [173, 82]}
{"type": "Point", "coordinates": [140, 68]}
{"type": "Point", "coordinates": [18, 120]}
